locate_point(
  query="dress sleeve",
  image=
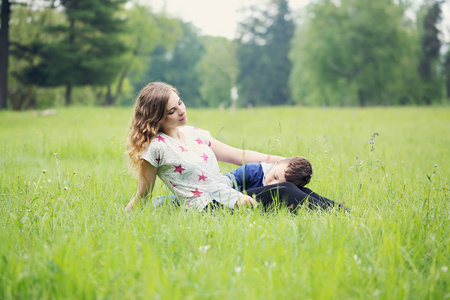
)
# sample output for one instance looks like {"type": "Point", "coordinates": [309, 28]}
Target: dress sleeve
{"type": "Point", "coordinates": [153, 155]}
{"type": "Point", "coordinates": [222, 191]}
{"type": "Point", "coordinates": [205, 136]}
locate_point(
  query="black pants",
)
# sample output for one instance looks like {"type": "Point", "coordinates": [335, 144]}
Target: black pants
{"type": "Point", "coordinates": [289, 194]}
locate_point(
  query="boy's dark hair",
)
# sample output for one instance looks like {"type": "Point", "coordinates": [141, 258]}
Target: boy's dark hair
{"type": "Point", "coordinates": [298, 170]}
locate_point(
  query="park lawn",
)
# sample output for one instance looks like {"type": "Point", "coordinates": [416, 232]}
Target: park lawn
{"type": "Point", "coordinates": [64, 183]}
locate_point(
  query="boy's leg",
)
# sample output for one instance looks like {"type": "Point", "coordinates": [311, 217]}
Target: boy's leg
{"type": "Point", "coordinates": [326, 202]}
{"type": "Point", "coordinates": [159, 201]}
{"type": "Point", "coordinates": [288, 193]}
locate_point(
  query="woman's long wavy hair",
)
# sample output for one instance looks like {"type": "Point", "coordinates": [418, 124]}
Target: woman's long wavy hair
{"type": "Point", "coordinates": [149, 112]}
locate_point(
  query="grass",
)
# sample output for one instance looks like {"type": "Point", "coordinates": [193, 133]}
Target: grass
{"type": "Point", "coordinates": [64, 183]}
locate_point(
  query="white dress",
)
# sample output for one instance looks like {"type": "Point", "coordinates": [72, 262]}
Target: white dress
{"type": "Point", "coordinates": [186, 169]}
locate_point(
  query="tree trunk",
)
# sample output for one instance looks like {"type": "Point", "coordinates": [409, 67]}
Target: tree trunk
{"type": "Point", "coordinates": [120, 84]}
{"type": "Point", "coordinates": [4, 52]}
{"type": "Point", "coordinates": [69, 84]}
{"type": "Point", "coordinates": [361, 100]}
{"type": "Point", "coordinates": [448, 85]}
{"type": "Point", "coordinates": [68, 94]}
{"type": "Point", "coordinates": [110, 99]}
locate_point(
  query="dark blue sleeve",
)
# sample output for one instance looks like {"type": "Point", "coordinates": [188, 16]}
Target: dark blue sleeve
{"type": "Point", "coordinates": [247, 176]}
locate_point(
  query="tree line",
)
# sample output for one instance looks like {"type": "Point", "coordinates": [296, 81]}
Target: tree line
{"type": "Point", "coordinates": [333, 53]}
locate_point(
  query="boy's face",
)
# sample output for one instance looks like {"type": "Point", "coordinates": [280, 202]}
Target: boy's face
{"type": "Point", "coordinates": [276, 175]}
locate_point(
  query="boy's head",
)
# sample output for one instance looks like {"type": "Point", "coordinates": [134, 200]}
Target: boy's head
{"type": "Point", "coordinates": [295, 169]}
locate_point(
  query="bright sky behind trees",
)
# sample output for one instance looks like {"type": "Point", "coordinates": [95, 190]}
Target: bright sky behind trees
{"type": "Point", "coordinates": [220, 18]}
{"type": "Point", "coordinates": [213, 17]}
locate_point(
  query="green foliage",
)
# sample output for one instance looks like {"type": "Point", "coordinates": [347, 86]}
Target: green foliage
{"type": "Point", "coordinates": [218, 70]}
{"type": "Point", "coordinates": [25, 32]}
{"type": "Point", "coordinates": [344, 55]}
{"type": "Point", "coordinates": [141, 30]}
{"type": "Point", "coordinates": [262, 53]}
{"type": "Point", "coordinates": [429, 65]}
{"type": "Point", "coordinates": [446, 72]}
{"type": "Point", "coordinates": [88, 51]}
{"type": "Point", "coordinates": [144, 31]}
{"type": "Point", "coordinates": [64, 234]}
{"type": "Point", "coordinates": [279, 36]}
{"type": "Point", "coordinates": [178, 67]}
{"type": "Point", "coordinates": [341, 55]}
{"type": "Point", "coordinates": [5, 13]}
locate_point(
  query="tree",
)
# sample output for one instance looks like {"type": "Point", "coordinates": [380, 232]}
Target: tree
{"type": "Point", "coordinates": [263, 49]}
{"type": "Point", "coordinates": [446, 72]}
{"type": "Point", "coordinates": [344, 53]}
{"type": "Point", "coordinates": [217, 70]}
{"type": "Point", "coordinates": [429, 62]}
{"type": "Point", "coordinates": [279, 36]}
{"type": "Point", "coordinates": [4, 51]}
{"type": "Point", "coordinates": [88, 51]}
{"type": "Point", "coordinates": [26, 31]}
{"type": "Point", "coordinates": [144, 31]}
{"type": "Point", "coordinates": [6, 9]}
{"type": "Point", "coordinates": [250, 56]}
{"type": "Point", "coordinates": [178, 67]}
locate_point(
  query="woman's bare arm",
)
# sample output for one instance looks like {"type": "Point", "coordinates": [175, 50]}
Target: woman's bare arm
{"type": "Point", "coordinates": [147, 178]}
{"type": "Point", "coordinates": [239, 157]}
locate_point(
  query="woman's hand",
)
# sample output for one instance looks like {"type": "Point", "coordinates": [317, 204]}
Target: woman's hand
{"type": "Point", "coordinates": [246, 200]}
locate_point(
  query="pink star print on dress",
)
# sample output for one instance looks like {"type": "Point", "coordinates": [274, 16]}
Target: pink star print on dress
{"type": "Point", "coordinates": [186, 168]}
{"type": "Point", "coordinates": [196, 193]}
{"type": "Point", "coordinates": [179, 169]}
{"type": "Point", "coordinates": [202, 177]}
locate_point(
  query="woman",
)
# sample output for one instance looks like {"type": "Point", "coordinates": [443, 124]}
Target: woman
{"type": "Point", "coordinates": [183, 157]}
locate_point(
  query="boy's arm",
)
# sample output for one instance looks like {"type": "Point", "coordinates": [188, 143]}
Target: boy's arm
{"type": "Point", "coordinates": [222, 191]}
{"type": "Point", "coordinates": [227, 189]}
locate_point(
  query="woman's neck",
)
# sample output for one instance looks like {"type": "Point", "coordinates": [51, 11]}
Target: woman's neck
{"type": "Point", "coordinates": [174, 133]}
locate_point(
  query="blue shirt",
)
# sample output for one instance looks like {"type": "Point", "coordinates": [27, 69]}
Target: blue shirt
{"type": "Point", "coordinates": [248, 176]}
{"type": "Point", "coordinates": [228, 188]}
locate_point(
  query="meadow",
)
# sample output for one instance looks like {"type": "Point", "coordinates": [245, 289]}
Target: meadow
{"type": "Point", "coordinates": [64, 183]}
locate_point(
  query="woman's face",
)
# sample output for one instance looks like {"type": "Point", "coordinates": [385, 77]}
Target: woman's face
{"type": "Point", "coordinates": [175, 112]}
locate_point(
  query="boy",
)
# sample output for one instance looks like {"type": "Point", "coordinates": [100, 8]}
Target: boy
{"type": "Point", "coordinates": [284, 180]}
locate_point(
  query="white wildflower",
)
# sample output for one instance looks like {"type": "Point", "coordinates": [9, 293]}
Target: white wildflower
{"type": "Point", "coordinates": [203, 249]}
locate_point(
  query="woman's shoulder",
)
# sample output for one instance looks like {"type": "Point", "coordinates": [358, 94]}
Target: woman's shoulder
{"type": "Point", "coordinates": [155, 149]}
{"type": "Point", "coordinates": [158, 141]}
{"type": "Point", "coordinates": [194, 133]}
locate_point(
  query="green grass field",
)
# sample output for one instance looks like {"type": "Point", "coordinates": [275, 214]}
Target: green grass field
{"type": "Point", "coordinates": [64, 184]}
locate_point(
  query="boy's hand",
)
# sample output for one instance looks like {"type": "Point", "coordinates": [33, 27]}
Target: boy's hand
{"type": "Point", "coordinates": [246, 200]}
